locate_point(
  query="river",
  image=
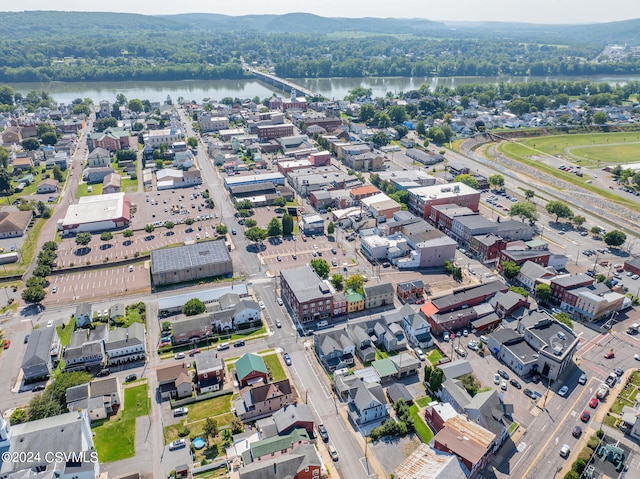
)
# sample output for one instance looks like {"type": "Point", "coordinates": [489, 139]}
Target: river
{"type": "Point", "coordinates": [333, 88]}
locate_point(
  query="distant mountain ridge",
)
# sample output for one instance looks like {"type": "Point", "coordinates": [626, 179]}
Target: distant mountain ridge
{"type": "Point", "coordinates": [35, 24]}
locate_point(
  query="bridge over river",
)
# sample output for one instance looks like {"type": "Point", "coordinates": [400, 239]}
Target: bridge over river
{"type": "Point", "coordinates": [285, 85]}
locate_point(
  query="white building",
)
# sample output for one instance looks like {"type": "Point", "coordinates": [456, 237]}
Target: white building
{"type": "Point", "coordinates": [168, 136]}
{"type": "Point", "coordinates": [97, 213]}
{"type": "Point", "coordinates": [213, 123]}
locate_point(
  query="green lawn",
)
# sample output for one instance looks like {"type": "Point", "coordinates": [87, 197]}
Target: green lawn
{"type": "Point", "coordinates": [115, 439]}
{"type": "Point", "coordinates": [513, 427]}
{"type": "Point", "coordinates": [65, 334]}
{"type": "Point", "coordinates": [129, 185]}
{"type": "Point", "coordinates": [421, 427]}
{"type": "Point", "coordinates": [27, 252]}
{"type": "Point", "coordinates": [275, 366]}
{"type": "Point", "coordinates": [423, 401]}
{"type": "Point", "coordinates": [434, 356]}
{"type": "Point", "coordinates": [83, 190]}
{"type": "Point", "coordinates": [210, 407]}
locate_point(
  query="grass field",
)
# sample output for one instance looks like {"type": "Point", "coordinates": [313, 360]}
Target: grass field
{"type": "Point", "coordinates": [65, 334]}
{"type": "Point", "coordinates": [83, 190]}
{"type": "Point", "coordinates": [422, 429]}
{"type": "Point", "coordinates": [423, 401]}
{"type": "Point", "coordinates": [590, 150]}
{"type": "Point", "coordinates": [115, 438]}
{"type": "Point", "coordinates": [210, 407]}
{"type": "Point", "coordinates": [434, 356]}
{"type": "Point", "coordinates": [275, 366]}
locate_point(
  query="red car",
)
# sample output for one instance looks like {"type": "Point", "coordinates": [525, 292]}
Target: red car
{"type": "Point", "coordinates": [194, 352]}
{"type": "Point", "coordinates": [593, 403]}
{"type": "Point", "coordinates": [586, 415]}
{"type": "Point", "coordinates": [420, 301]}
{"type": "Point", "coordinates": [609, 355]}
{"type": "Point", "coordinates": [7, 343]}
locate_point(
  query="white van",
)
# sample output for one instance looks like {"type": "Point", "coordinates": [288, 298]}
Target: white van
{"type": "Point", "coordinates": [222, 346]}
{"type": "Point", "coordinates": [322, 324]}
{"type": "Point", "coordinates": [565, 450]}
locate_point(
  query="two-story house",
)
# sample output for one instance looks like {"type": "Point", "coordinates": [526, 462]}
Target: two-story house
{"type": "Point", "coordinates": [210, 372]}
{"type": "Point", "coordinates": [334, 349]}
{"type": "Point", "coordinates": [126, 345]}
{"type": "Point", "coordinates": [263, 400]}
{"type": "Point", "coordinates": [378, 295]}
{"type": "Point", "coordinates": [367, 403]}
{"type": "Point", "coordinates": [41, 355]}
{"type": "Point", "coordinates": [417, 328]}
{"type": "Point", "coordinates": [83, 352]}
{"type": "Point", "coordinates": [99, 397]}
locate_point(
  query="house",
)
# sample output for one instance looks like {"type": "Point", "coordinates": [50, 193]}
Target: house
{"type": "Point", "coordinates": [174, 381]}
{"type": "Point", "coordinates": [260, 400]}
{"type": "Point", "coordinates": [126, 345]}
{"type": "Point", "coordinates": [275, 446]}
{"type": "Point", "coordinates": [83, 315]}
{"type": "Point", "coordinates": [192, 329]}
{"type": "Point", "coordinates": [367, 404]}
{"type": "Point", "coordinates": [378, 295]}
{"type": "Point", "coordinates": [399, 391]}
{"type": "Point", "coordinates": [428, 463]}
{"type": "Point", "coordinates": [410, 291]}
{"type": "Point", "coordinates": [41, 355]}
{"type": "Point", "coordinates": [111, 183]}
{"type": "Point", "coordinates": [49, 185]}
{"type": "Point", "coordinates": [560, 285]}
{"type": "Point", "coordinates": [251, 369]}
{"type": "Point", "coordinates": [83, 352]}
{"type": "Point", "coordinates": [99, 158]}
{"type": "Point", "coordinates": [506, 303]}
{"type": "Point", "coordinates": [96, 174]}
{"type": "Point", "coordinates": [631, 419]}
{"type": "Point", "coordinates": [116, 311]}
{"type": "Point", "coordinates": [531, 274]}
{"type": "Point", "coordinates": [334, 349]}
{"type": "Point", "coordinates": [405, 364]}
{"type": "Point", "coordinates": [294, 416]}
{"type": "Point", "coordinates": [14, 223]}
{"type": "Point", "coordinates": [417, 328]}
{"type": "Point", "coordinates": [100, 398]}
{"type": "Point", "coordinates": [364, 345]}
{"type": "Point", "coordinates": [302, 462]}
{"type": "Point", "coordinates": [11, 135]}
{"type": "Point", "coordinates": [210, 371]}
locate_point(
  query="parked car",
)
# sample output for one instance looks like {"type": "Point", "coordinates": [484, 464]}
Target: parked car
{"type": "Point", "coordinates": [130, 377]}
{"type": "Point", "coordinates": [333, 452]}
{"type": "Point", "coordinates": [420, 301]}
{"type": "Point", "coordinates": [181, 411]}
{"type": "Point", "coordinates": [26, 338]}
{"type": "Point", "coordinates": [577, 432]}
{"type": "Point", "coordinates": [496, 379]}
{"type": "Point", "coordinates": [261, 304]}
{"type": "Point", "coordinates": [279, 300]}
{"type": "Point", "coordinates": [582, 379]}
{"type": "Point", "coordinates": [104, 372]}
{"type": "Point", "coordinates": [39, 387]}
{"type": "Point", "coordinates": [619, 371]}
{"type": "Point", "coordinates": [565, 450]}
{"type": "Point", "coordinates": [179, 356]}
{"type": "Point", "coordinates": [593, 403]}
{"type": "Point", "coordinates": [420, 354]}
{"type": "Point", "coordinates": [515, 384]}
{"type": "Point", "coordinates": [585, 416]}
{"type": "Point", "coordinates": [7, 343]}
{"type": "Point", "coordinates": [503, 386]}
{"type": "Point", "coordinates": [193, 352]}
{"type": "Point", "coordinates": [563, 391]}
{"type": "Point", "coordinates": [461, 352]}
{"type": "Point", "coordinates": [278, 323]}
{"type": "Point", "coordinates": [322, 431]}
{"type": "Point", "coordinates": [177, 444]}
{"type": "Point", "coordinates": [529, 393]}
{"type": "Point", "coordinates": [503, 374]}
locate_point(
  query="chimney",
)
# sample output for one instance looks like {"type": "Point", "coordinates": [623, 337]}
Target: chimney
{"type": "Point", "coordinates": [126, 336]}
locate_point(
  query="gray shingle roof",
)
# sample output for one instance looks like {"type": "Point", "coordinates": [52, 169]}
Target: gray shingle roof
{"type": "Point", "coordinates": [291, 414]}
{"type": "Point", "coordinates": [379, 289]}
{"type": "Point", "coordinates": [121, 337]}
{"type": "Point", "coordinates": [198, 254]}
{"type": "Point", "coordinates": [39, 347]}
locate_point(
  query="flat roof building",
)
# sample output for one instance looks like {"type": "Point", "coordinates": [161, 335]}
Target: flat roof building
{"type": "Point", "coordinates": [422, 199]}
{"type": "Point", "coordinates": [190, 262]}
{"type": "Point", "coordinates": [98, 213]}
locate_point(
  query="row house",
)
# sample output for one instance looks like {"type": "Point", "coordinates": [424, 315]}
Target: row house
{"type": "Point", "coordinates": [410, 291]}
{"type": "Point", "coordinates": [560, 287]}
{"type": "Point", "coordinates": [486, 247]}
{"type": "Point", "coordinates": [269, 132]}
{"type": "Point", "coordinates": [442, 216]}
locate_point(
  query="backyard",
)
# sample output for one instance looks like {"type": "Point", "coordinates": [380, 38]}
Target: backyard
{"type": "Point", "coordinates": [114, 437]}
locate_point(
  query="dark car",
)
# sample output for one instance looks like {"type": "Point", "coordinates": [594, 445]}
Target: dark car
{"type": "Point", "coordinates": [619, 371]}
{"type": "Point", "coordinates": [287, 359]}
{"type": "Point", "coordinates": [130, 377]}
{"type": "Point", "coordinates": [104, 372]}
{"type": "Point", "coordinates": [515, 384]}
{"type": "Point", "coordinates": [503, 374]}
{"type": "Point", "coordinates": [323, 432]}
{"type": "Point", "coordinates": [239, 343]}
{"type": "Point", "coordinates": [26, 338]}
{"type": "Point", "coordinates": [39, 387]}
{"type": "Point", "coordinates": [530, 393]}
{"type": "Point", "coordinates": [577, 431]}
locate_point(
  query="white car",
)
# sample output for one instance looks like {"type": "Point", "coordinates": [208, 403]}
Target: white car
{"type": "Point", "coordinates": [181, 411]}
{"type": "Point", "coordinates": [179, 356]}
{"type": "Point", "coordinates": [177, 444]}
{"type": "Point", "coordinates": [563, 391]}
{"type": "Point", "coordinates": [279, 301]}
{"type": "Point", "coordinates": [503, 386]}
{"type": "Point", "coordinates": [261, 304]}
{"type": "Point", "coordinates": [49, 323]}
{"type": "Point", "coordinates": [420, 354]}
{"type": "Point", "coordinates": [496, 379]}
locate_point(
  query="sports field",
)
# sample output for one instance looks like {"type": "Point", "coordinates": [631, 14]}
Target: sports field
{"type": "Point", "coordinates": [590, 150]}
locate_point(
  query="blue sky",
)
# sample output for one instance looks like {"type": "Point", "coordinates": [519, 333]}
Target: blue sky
{"type": "Point", "coordinates": [532, 11]}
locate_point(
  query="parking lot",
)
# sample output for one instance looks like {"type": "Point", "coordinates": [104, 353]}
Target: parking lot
{"type": "Point", "coordinates": [291, 253]}
{"type": "Point", "coordinates": [105, 282]}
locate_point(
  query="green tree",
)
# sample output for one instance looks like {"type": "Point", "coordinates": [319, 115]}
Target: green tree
{"type": "Point", "coordinates": [510, 269]}
{"type": "Point", "coordinates": [43, 405]}
{"type": "Point", "coordinates": [528, 194]}
{"type": "Point", "coordinates": [50, 246]}
{"type": "Point", "coordinates": [250, 223]}
{"type": "Point", "coordinates": [222, 229]}
{"type": "Point", "coordinates": [42, 270]}
{"type": "Point", "coordinates": [468, 180]}
{"type": "Point", "coordinates": [169, 225]}
{"type": "Point", "coordinates": [18, 416]}
{"type": "Point", "coordinates": [244, 205]}
{"type": "Point", "coordinates": [615, 238]}
{"type": "Point", "coordinates": [210, 429]}
{"type": "Point", "coordinates": [279, 202]}
{"type": "Point", "coordinates": [543, 292]}
{"type": "Point", "coordinates": [436, 135]}
{"type": "Point", "coordinates": [337, 281]}
{"type": "Point", "coordinates": [127, 233]}
{"type": "Point", "coordinates": [524, 211]}
{"type": "Point", "coordinates": [193, 306]}
{"type": "Point", "coordinates": [600, 118]}
{"type": "Point", "coordinates": [31, 144]}
{"type": "Point", "coordinates": [518, 106]}
{"type": "Point", "coordinates": [355, 282]}
{"type": "Point", "coordinates": [559, 209]}
{"type": "Point", "coordinates": [106, 236]}
{"type": "Point", "coordinates": [436, 379]}
{"type": "Point", "coordinates": [189, 221]}
{"type": "Point", "coordinates": [36, 281]}
{"type": "Point", "coordinates": [5, 180]}
{"type": "Point", "coordinates": [274, 228]}
{"type": "Point", "coordinates": [496, 180]}
{"type": "Point", "coordinates": [380, 139]}
{"type": "Point", "coordinates": [367, 112]}
{"type": "Point", "coordinates": [579, 220]}
{"type": "Point", "coordinates": [256, 234]}
{"type": "Point", "coordinates": [421, 128]}
{"type": "Point", "coordinates": [321, 267]}
{"type": "Point", "coordinates": [519, 290]}
{"type": "Point", "coordinates": [49, 138]}
{"type": "Point", "coordinates": [33, 294]}
{"type": "Point", "coordinates": [136, 105]}
{"type": "Point", "coordinates": [330, 228]}
{"type": "Point", "coordinates": [287, 225]}
{"type": "Point", "coordinates": [596, 231]}
{"type": "Point", "coordinates": [149, 228]}
{"type": "Point", "coordinates": [83, 239]}
{"type": "Point", "coordinates": [192, 142]}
